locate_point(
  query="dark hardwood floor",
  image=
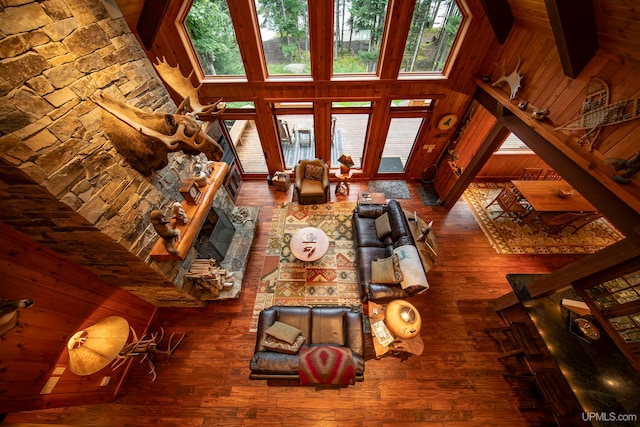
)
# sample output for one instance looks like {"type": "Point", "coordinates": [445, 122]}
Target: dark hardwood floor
{"type": "Point", "coordinates": [456, 382]}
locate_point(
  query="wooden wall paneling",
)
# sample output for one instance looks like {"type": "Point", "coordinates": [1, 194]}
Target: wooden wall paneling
{"type": "Point", "coordinates": [530, 14]}
{"type": "Point", "coordinates": [490, 142]}
{"type": "Point", "coordinates": [505, 167]}
{"type": "Point", "coordinates": [474, 53]}
{"type": "Point", "coordinates": [481, 124]}
{"type": "Point", "coordinates": [445, 179]}
{"type": "Point", "coordinates": [66, 298]}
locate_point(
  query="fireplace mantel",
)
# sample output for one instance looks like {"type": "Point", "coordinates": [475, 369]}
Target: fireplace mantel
{"type": "Point", "coordinates": [197, 214]}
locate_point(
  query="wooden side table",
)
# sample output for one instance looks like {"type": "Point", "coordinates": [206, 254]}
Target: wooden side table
{"type": "Point", "coordinates": [342, 186]}
{"type": "Point", "coordinates": [399, 347]}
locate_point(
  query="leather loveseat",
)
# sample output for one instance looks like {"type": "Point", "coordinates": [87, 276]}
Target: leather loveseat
{"type": "Point", "coordinates": [332, 326]}
{"type": "Point", "coordinates": [370, 247]}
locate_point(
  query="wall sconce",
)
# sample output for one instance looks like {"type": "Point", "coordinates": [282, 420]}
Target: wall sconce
{"type": "Point", "coordinates": [93, 348]}
{"type": "Point", "coordinates": [346, 163]}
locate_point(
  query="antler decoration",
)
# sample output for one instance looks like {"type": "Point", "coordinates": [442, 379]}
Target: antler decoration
{"type": "Point", "coordinates": [171, 141]}
{"type": "Point", "coordinates": [513, 79]}
{"type": "Point", "coordinates": [173, 77]}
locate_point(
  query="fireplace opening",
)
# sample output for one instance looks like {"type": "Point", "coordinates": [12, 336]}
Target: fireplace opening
{"type": "Point", "coordinates": [215, 236]}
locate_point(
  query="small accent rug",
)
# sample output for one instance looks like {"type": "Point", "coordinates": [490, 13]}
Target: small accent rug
{"type": "Point", "coordinates": [509, 237]}
{"type": "Point", "coordinates": [326, 365]}
{"type": "Point", "coordinates": [391, 164]}
{"type": "Point", "coordinates": [392, 189]}
{"type": "Point", "coordinates": [331, 280]}
{"type": "Point", "coordinates": [428, 194]}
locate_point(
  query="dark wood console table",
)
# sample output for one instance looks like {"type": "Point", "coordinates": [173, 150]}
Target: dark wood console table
{"type": "Point", "coordinates": [197, 214]}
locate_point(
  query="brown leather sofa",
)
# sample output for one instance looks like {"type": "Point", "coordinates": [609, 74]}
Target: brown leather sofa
{"type": "Point", "coordinates": [338, 326]}
{"type": "Point", "coordinates": [369, 248]}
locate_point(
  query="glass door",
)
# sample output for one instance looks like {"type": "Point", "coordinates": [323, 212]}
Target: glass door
{"type": "Point", "coordinates": [400, 140]}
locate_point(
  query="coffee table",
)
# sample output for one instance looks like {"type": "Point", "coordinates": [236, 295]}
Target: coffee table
{"type": "Point", "coordinates": [309, 244]}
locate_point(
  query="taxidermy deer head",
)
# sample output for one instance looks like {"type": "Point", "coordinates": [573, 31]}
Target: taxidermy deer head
{"type": "Point", "coordinates": [145, 139]}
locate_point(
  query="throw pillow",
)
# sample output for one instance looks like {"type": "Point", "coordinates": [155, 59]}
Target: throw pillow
{"type": "Point", "coordinates": [280, 346]}
{"type": "Point", "coordinates": [284, 332]}
{"type": "Point", "coordinates": [386, 270]}
{"type": "Point", "coordinates": [313, 172]}
{"type": "Point", "coordinates": [383, 227]}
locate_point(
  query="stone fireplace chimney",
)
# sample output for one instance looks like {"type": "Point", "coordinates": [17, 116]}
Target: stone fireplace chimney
{"type": "Point", "coordinates": [62, 183]}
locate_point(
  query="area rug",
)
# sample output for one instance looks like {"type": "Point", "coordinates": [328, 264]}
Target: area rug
{"type": "Point", "coordinates": [428, 194]}
{"type": "Point", "coordinates": [391, 164]}
{"type": "Point", "coordinates": [509, 237]}
{"type": "Point", "coordinates": [331, 280]}
{"type": "Point", "coordinates": [392, 189]}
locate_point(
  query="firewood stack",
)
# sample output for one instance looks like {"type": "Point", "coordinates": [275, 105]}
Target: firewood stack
{"type": "Point", "coordinates": [209, 276]}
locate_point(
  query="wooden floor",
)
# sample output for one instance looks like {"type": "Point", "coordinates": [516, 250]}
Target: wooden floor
{"type": "Point", "coordinates": [456, 382]}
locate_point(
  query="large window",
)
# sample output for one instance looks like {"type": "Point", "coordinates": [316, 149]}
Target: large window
{"type": "Point", "coordinates": [358, 29]}
{"type": "Point", "coordinates": [213, 38]}
{"type": "Point", "coordinates": [434, 26]}
{"type": "Point", "coordinates": [284, 26]}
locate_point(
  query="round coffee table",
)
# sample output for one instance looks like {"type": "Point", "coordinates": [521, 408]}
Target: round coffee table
{"type": "Point", "coordinates": [309, 244]}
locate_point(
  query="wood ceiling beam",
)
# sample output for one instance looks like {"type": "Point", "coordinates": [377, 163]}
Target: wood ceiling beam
{"type": "Point", "coordinates": [500, 17]}
{"type": "Point", "coordinates": [150, 19]}
{"type": "Point", "coordinates": [573, 23]}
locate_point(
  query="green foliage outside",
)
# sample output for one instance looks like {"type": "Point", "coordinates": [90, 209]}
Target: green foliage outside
{"type": "Point", "coordinates": [214, 40]}
{"type": "Point", "coordinates": [211, 31]}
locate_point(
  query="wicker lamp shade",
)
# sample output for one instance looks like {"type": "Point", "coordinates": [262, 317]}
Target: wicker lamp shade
{"type": "Point", "coordinates": [93, 348]}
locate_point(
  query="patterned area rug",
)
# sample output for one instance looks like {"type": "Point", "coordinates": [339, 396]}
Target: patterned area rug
{"type": "Point", "coordinates": [392, 189]}
{"type": "Point", "coordinates": [331, 280]}
{"type": "Point", "coordinates": [508, 237]}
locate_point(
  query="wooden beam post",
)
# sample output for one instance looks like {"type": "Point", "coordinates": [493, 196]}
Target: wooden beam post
{"type": "Point", "coordinates": [500, 17]}
{"type": "Point", "coordinates": [573, 23]}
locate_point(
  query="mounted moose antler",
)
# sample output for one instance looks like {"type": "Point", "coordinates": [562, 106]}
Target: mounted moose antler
{"type": "Point", "coordinates": [147, 138]}
{"type": "Point", "coordinates": [174, 78]}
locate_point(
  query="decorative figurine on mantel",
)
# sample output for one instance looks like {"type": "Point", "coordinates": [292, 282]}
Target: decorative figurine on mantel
{"type": "Point", "coordinates": [179, 214]}
{"type": "Point", "coordinates": [169, 235]}
{"type": "Point", "coordinates": [202, 170]}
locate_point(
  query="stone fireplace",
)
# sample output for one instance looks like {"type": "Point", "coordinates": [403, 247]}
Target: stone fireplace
{"type": "Point", "coordinates": [62, 183]}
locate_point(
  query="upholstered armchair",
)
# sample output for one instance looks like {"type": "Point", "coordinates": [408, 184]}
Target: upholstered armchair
{"type": "Point", "coordinates": [312, 182]}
